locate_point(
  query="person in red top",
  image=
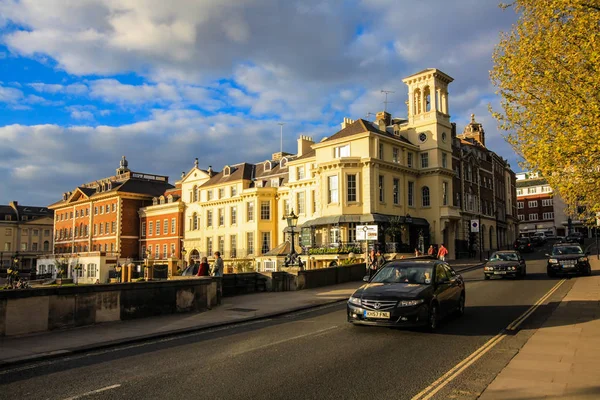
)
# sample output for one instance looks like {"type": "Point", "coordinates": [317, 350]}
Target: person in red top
{"type": "Point", "coordinates": [203, 269]}
{"type": "Point", "coordinates": [442, 252]}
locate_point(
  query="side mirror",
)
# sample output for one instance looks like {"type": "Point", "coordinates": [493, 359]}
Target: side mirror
{"type": "Point", "coordinates": [366, 278]}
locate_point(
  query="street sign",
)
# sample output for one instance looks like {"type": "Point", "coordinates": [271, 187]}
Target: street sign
{"type": "Point", "coordinates": [366, 232]}
{"type": "Point", "coordinates": [474, 225]}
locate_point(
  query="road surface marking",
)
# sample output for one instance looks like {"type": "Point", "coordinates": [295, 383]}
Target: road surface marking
{"type": "Point", "coordinates": [442, 381]}
{"type": "Point", "coordinates": [264, 346]}
{"type": "Point", "coordinates": [94, 392]}
{"type": "Point", "coordinates": [515, 324]}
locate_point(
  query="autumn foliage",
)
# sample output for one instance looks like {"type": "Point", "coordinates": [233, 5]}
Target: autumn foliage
{"type": "Point", "coordinates": [547, 71]}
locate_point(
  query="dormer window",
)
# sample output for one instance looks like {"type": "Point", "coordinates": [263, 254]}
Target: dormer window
{"type": "Point", "coordinates": [154, 201]}
{"type": "Point", "coordinates": [162, 199]}
{"type": "Point", "coordinates": [284, 162]}
{"type": "Point", "coordinates": [268, 165]}
{"type": "Point", "coordinates": [226, 171]}
{"type": "Point", "coordinates": [170, 198]}
{"type": "Point", "coordinates": [275, 182]}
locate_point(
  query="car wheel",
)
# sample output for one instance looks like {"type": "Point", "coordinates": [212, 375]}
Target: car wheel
{"type": "Point", "coordinates": [551, 274]}
{"type": "Point", "coordinates": [433, 319]}
{"type": "Point", "coordinates": [460, 310]}
{"type": "Point", "coordinates": [588, 271]}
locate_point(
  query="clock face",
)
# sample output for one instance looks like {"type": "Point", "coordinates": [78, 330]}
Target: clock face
{"type": "Point", "coordinates": [422, 137]}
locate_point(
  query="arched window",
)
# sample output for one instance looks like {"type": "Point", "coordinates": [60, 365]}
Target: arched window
{"type": "Point", "coordinates": [417, 102]}
{"type": "Point", "coordinates": [426, 199]}
{"type": "Point", "coordinates": [427, 98]}
{"type": "Point", "coordinates": [162, 199]}
{"type": "Point", "coordinates": [195, 221]}
{"type": "Point", "coordinates": [267, 165]}
{"type": "Point", "coordinates": [195, 194]}
{"type": "Point", "coordinates": [226, 171]}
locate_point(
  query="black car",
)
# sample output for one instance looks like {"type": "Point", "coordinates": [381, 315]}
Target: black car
{"type": "Point", "coordinates": [408, 293]}
{"type": "Point", "coordinates": [524, 244]}
{"type": "Point", "coordinates": [505, 263]}
{"type": "Point", "coordinates": [575, 237]}
{"type": "Point", "coordinates": [568, 258]}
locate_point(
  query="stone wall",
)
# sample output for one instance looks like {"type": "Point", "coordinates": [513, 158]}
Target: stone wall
{"type": "Point", "coordinates": [37, 310]}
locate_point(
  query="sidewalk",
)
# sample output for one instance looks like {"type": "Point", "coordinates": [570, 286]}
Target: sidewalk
{"type": "Point", "coordinates": [232, 310]}
{"type": "Point", "coordinates": [562, 359]}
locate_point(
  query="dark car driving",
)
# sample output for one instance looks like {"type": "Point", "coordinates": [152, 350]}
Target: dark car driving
{"type": "Point", "coordinates": [575, 237]}
{"type": "Point", "coordinates": [408, 293]}
{"type": "Point", "coordinates": [505, 263]}
{"type": "Point", "coordinates": [523, 244]}
{"type": "Point", "coordinates": [568, 258]}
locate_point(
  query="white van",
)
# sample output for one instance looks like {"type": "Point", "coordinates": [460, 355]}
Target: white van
{"type": "Point", "coordinates": [541, 236]}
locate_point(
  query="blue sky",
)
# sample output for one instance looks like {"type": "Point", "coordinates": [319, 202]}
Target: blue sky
{"type": "Point", "coordinates": [83, 83]}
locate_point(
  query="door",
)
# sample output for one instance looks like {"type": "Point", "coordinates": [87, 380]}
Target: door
{"type": "Point", "coordinates": [442, 289]}
{"type": "Point", "coordinates": [455, 287]}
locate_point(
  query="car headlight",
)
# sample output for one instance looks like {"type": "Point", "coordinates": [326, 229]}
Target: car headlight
{"type": "Point", "coordinates": [582, 259]}
{"type": "Point", "coordinates": [410, 303]}
{"type": "Point", "coordinates": [553, 261]}
{"type": "Point", "coordinates": [355, 301]}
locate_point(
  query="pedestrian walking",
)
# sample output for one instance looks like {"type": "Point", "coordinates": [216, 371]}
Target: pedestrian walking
{"type": "Point", "coordinates": [217, 268]}
{"type": "Point", "coordinates": [442, 252]}
{"type": "Point", "coordinates": [204, 268]}
{"type": "Point", "coordinates": [430, 250]}
{"type": "Point", "coordinates": [380, 260]}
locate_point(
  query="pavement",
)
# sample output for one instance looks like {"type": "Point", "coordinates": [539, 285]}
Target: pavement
{"type": "Point", "coordinates": [562, 358]}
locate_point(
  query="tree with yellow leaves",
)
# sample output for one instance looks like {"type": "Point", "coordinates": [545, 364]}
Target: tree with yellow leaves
{"type": "Point", "coordinates": [547, 71]}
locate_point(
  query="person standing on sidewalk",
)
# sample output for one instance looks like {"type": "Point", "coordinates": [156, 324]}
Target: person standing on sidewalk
{"type": "Point", "coordinates": [430, 250]}
{"type": "Point", "coordinates": [217, 268]}
{"type": "Point", "coordinates": [380, 260]}
{"type": "Point", "coordinates": [372, 264]}
{"type": "Point", "coordinates": [203, 269]}
{"type": "Point", "coordinates": [442, 252]}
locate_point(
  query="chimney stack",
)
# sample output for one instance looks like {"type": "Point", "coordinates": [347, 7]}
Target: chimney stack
{"type": "Point", "coordinates": [347, 121]}
{"type": "Point", "coordinates": [304, 145]}
{"type": "Point", "coordinates": [383, 118]}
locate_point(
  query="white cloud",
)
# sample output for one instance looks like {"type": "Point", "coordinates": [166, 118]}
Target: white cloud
{"type": "Point", "coordinates": [53, 88]}
{"type": "Point", "coordinates": [10, 95]}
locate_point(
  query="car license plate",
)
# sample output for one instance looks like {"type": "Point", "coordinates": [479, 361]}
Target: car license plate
{"type": "Point", "coordinates": [568, 266]}
{"type": "Point", "coordinates": [499, 272]}
{"type": "Point", "coordinates": [377, 314]}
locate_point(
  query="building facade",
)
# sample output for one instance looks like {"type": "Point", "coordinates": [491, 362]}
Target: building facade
{"type": "Point", "coordinates": [413, 177]}
{"type": "Point", "coordinates": [25, 234]}
{"type": "Point", "coordinates": [97, 224]}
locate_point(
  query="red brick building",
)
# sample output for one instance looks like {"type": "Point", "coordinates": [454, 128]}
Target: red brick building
{"type": "Point", "coordinates": [97, 225]}
{"type": "Point", "coordinates": [161, 227]}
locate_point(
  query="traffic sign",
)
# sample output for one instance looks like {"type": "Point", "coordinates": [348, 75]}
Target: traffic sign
{"type": "Point", "coordinates": [474, 225]}
{"type": "Point", "coordinates": [366, 232]}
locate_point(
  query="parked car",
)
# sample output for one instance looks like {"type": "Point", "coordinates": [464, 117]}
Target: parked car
{"type": "Point", "coordinates": [523, 244]}
{"type": "Point", "coordinates": [568, 258]}
{"type": "Point", "coordinates": [408, 293]}
{"type": "Point", "coordinates": [505, 263]}
{"type": "Point", "coordinates": [575, 237]}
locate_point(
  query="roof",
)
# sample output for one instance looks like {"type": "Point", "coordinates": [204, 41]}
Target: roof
{"type": "Point", "coordinates": [17, 212]}
{"type": "Point", "coordinates": [309, 154]}
{"type": "Point", "coordinates": [282, 250]}
{"type": "Point", "coordinates": [238, 172]}
{"type": "Point", "coordinates": [531, 182]}
{"type": "Point", "coordinates": [361, 126]}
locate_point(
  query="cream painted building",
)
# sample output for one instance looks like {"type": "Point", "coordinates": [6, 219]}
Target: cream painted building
{"type": "Point", "coordinates": [399, 173]}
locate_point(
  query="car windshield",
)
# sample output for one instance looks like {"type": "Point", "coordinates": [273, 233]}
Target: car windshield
{"type": "Point", "coordinates": [404, 273]}
{"type": "Point", "coordinates": [504, 257]}
{"type": "Point", "coordinates": [523, 240]}
{"type": "Point", "coordinates": [557, 251]}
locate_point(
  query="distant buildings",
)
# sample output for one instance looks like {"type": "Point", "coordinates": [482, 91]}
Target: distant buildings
{"type": "Point", "coordinates": [25, 234]}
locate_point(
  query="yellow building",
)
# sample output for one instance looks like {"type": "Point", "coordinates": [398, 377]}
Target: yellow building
{"type": "Point", "coordinates": [25, 234]}
{"type": "Point", "coordinates": [397, 173]}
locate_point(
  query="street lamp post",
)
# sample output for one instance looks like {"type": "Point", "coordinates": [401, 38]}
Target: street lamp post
{"type": "Point", "coordinates": [292, 222]}
{"type": "Point", "coordinates": [118, 271]}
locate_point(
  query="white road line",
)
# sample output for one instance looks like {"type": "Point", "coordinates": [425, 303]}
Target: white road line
{"type": "Point", "coordinates": [94, 392]}
{"type": "Point", "coordinates": [442, 381]}
{"type": "Point", "coordinates": [315, 333]}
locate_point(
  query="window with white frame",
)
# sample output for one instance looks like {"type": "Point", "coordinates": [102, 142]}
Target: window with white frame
{"type": "Point", "coordinates": [381, 151]}
{"type": "Point", "coordinates": [143, 229]}
{"type": "Point", "coordinates": [351, 188]}
{"type": "Point", "coordinates": [233, 190]}
{"type": "Point", "coordinates": [286, 207]}
{"type": "Point", "coordinates": [341, 151]}
{"type": "Point", "coordinates": [533, 217]}
{"type": "Point", "coordinates": [194, 221]}
{"type": "Point", "coordinates": [166, 227]}
{"type": "Point", "coordinates": [532, 203]}
{"type": "Point", "coordinates": [209, 246]}
{"type": "Point", "coordinates": [221, 193]}
{"type": "Point", "coordinates": [532, 190]}
{"type": "Point", "coordinates": [411, 194]}
{"type": "Point", "coordinates": [396, 191]}
{"type": "Point", "coordinates": [164, 251]}
{"type": "Point", "coordinates": [409, 160]}
{"type": "Point", "coordinates": [209, 195]}
{"type": "Point", "coordinates": [265, 242]}
{"type": "Point", "coordinates": [265, 210]}
{"type": "Point", "coordinates": [157, 231]}
{"type": "Point", "coordinates": [520, 204]}
{"type": "Point", "coordinates": [300, 172]}
{"type": "Point", "coordinates": [173, 225]}
{"type": "Point", "coordinates": [395, 155]}
{"type": "Point", "coordinates": [250, 211]}
{"type": "Point", "coordinates": [519, 192]}
{"type": "Point", "coordinates": [250, 242]}
{"type": "Point", "coordinates": [381, 189]}
{"type": "Point", "coordinates": [102, 228]}
{"type": "Point", "coordinates": [233, 214]}
{"type": "Point", "coordinates": [301, 200]}
{"type": "Point", "coordinates": [113, 227]}
{"type": "Point", "coordinates": [425, 197]}
{"type": "Point", "coordinates": [275, 182]}
{"type": "Point", "coordinates": [547, 202]}
{"type": "Point", "coordinates": [144, 250]}
{"type": "Point", "coordinates": [209, 219]}
{"type": "Point", "coordinates": [445, 193]}
{"type": "Point", "coordinates": [424, 160]}
{"type": "Point", "coordinates": [444, 160]}
{"type": "Point", "coordinates": [548, 215]}
{"type": "Point", "coordinates": [332, 183]}
{"type": "Point", "coordinates": [233, 245]}
{"type": "Point", "coordinates": [221, 212]}
{"type": "Point", "coordinates": [172, 249]}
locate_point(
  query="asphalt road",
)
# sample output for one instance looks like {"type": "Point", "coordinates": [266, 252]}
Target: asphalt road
{"type": "Point", "coordinates": [309, 355]}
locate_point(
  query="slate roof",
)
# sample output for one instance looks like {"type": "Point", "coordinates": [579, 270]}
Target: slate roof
{"type": "Point", "coordinates": [362, 126]}
{"type": "Point", "coordinates": [238, 172]}
{"type": "Point", "coordinates": [31, 212]}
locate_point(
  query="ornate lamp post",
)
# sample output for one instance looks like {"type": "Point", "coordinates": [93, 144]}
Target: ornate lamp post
{"type": "Point", "coordinates": [292, 222]}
